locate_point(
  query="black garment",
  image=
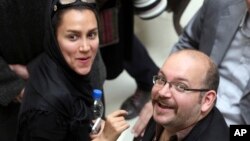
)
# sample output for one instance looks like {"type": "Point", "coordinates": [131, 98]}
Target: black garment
{"type": "Point", "coordinates": [8, 121]}
{"type": "Point", "coordinates": [54, 108]}
{"type": "Point", "coordinates": [129, 54]}
{"type": "Point", "coordinates": [57, 101]}
{"type": "Point", "coordinates": [21, 40]}
{"type": "Point", "coordinates": [212, 128]}
{"type": "Point", "coordinates": [22, 30]}
{"type": "Point", "coordinates": [141, 67]}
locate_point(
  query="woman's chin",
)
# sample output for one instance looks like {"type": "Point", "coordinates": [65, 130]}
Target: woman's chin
{"type": "Point", "coordinates": [83, 71]}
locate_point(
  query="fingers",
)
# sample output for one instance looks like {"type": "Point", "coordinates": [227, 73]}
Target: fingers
{"type": "Point", "coordinates": [93, 136]}
{"type": "Point", "coordinates": [117, 120]}
{"type": "Point", "coordinates": [118, 113]}
{"type": "Point", "coordinates": [11, 67]}
{"type": "Point", "coordinates": [120, 126]}
{"type": "Point", "coordinates": [19, 97]}
{"type": "Point", "coordinates": [115, 124]}
{"type": "Point", "coordinates": [20, 70]}
{"type": "Point", "coordinates": [144, 117]}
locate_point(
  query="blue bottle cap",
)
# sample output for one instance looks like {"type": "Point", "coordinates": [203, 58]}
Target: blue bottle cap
{"type": "Point", "coordinates": [97, 94]}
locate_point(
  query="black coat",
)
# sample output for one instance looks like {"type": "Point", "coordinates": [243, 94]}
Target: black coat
{"type": "Point", "coordinates": [212, 128]}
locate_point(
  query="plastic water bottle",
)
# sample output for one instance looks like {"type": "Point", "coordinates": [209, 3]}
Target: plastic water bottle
{"type": "Point", "coordinates": [98, 105]}
{"type": "Point", "coordinates": [97, 110]}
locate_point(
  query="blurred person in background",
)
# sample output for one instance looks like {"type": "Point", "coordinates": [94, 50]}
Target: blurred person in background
{"type": "Point", "coordinates": [122, 50]}
{"type": "Point", "coordinates": [21, 41]}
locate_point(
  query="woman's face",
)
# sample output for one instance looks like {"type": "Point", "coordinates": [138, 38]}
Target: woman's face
{"type": "Point", "coordinates": [77, 36]}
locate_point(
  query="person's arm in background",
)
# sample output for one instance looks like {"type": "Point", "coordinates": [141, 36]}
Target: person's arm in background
{"type": "Point", "coordinates": [144, 117]}
{"type": "Point", "coordinates": [191, 34]}
{"type": "Point", "coordinates": [190, 38]}
{"type": "Point", "coordinates": [21, 71]}
{"type": "Point", "coordinates": [11, 85]}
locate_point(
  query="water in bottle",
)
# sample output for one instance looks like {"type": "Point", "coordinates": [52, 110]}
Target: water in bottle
{"type": "Point", "coordinates": [97, 110]}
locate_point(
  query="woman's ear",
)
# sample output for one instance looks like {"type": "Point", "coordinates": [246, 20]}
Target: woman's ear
{"type": "Point", "coordinates": [208, 101]}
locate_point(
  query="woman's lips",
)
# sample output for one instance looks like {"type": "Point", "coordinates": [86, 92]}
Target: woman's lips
{"type": "Point", "coordinates": [84, 59]}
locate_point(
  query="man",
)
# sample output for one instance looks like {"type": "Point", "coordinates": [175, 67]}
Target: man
{"type": "Point", "coordinates": [228, 45]}
{"type": "Point", "coordinates": [183, 98]}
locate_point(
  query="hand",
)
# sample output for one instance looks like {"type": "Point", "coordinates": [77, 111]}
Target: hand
{"type": "Point", "coordinates": [144, 117]}
{"type": "Point", "coordinates": [19, 97]}
{"type": "Point", "coordinates": [115, 124]}
{"type": "Point", "coordinates": [93, 136]}
{"type": "Point", "coordinates": [20, 70]}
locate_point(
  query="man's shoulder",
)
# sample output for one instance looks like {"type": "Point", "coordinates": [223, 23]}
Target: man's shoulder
{"type": "Point", "coordinates": [212, 127]}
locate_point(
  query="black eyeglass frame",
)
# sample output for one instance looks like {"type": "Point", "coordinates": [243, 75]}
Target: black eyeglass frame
{"type": "Point", "coordinates": [157, 77]}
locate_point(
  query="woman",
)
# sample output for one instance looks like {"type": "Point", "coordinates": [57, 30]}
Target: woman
{"type": "Point", "coordinates": [57, 100]}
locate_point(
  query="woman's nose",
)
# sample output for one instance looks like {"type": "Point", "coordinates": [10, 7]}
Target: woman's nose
{"type": "Point", "coordinates": [84, 46]}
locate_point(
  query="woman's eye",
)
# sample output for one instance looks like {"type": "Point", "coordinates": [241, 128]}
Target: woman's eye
{"type": "Point", "coordinates": [92, 35]}
{"type": "Point", "coordinates": [72, 37]}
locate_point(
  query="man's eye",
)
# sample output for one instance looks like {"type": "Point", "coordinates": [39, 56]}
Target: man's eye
{"type": "Point", "coordinates": [160, 81]}
{"type": "Point", "coordinates": [180, 86]}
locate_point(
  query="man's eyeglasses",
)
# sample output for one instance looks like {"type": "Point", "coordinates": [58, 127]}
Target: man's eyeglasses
{"type": "Point", "coordinates": [66, 3]}
{"type": "Point", "coordinates": [178, 86]}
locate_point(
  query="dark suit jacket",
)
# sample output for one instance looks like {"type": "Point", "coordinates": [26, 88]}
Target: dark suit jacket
{"type": "Point", "coordinates": [211, 31]}
{"type": "Point", "coordinates": [211, 128]}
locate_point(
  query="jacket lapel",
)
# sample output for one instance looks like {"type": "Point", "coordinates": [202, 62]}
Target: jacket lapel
{"type": "Point", "coordinates": [226, 29]}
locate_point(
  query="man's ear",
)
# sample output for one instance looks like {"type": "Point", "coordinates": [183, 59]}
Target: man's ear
{"type": "Point", "coordinates": [208, 100]}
